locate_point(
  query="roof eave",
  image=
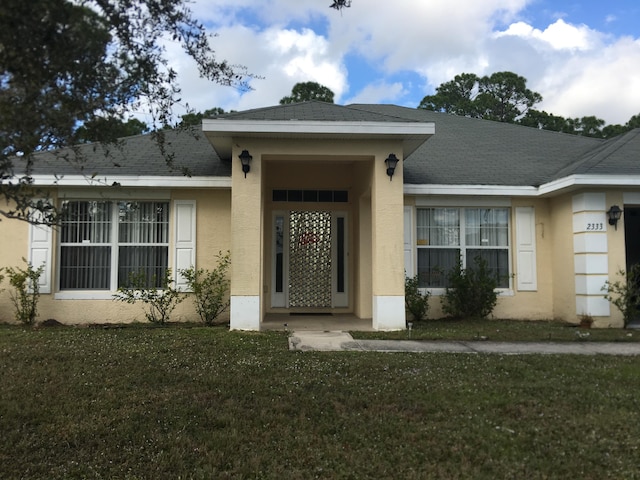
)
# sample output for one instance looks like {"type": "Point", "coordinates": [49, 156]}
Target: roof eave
{"type": "Point", "coordinates": [221, 132]}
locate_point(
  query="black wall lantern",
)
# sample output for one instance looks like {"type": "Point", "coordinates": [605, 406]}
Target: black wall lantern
{"type": "Point", "coordinates": [245, 158]}
{"type": "Point", "coordinates": [391, 163]}
{"type": "Point", "coordinates": [614, 214]}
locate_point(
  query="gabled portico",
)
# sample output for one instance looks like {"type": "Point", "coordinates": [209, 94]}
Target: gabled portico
{"type": "Point", "coordinates": [317, 223]}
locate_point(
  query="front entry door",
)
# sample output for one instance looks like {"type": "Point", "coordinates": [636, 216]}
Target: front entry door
{"type": "Point", "coordinates": [631, 219]}
{"type": "Point", "coordinates": [310, 260]}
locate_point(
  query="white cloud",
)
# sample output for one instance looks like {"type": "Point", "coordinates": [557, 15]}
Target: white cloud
{"type": "Point", "coordinates": [380, 92]}
{"type": "Point", "coordinates": [559, 35]}
{"type": "Point", "coordinates": [578, 70]}
{"type": "Point", "coordinates": [281, 57]}
{"type": "Point", "coordinates": [605, 84]}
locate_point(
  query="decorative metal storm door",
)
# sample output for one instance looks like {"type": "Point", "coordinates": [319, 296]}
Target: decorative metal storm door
{"type": "Point", "coordinates": [310, 266]}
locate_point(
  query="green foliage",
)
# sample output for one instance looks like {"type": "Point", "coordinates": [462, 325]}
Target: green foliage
{"type": "Point", "coordinates": [416, 302]}
{"type": "Point", "coordinates": [306, 91]}
{"type": "Point", "coordinates": [502, 96]}
{"type": "Point", "coordinates": [65, 64]}
{"type": "Point", "coordinates": [107, 129]}
{"type": "Point", "coordinates": [26, 291]}
{"type": "Point", "coordinates": [625, 294]}
{"type": "Point", "coordinates": [471, 291]}
{"type": "Point", "coordinates": [210, 288]}
{"type": "Point", "coordinates": [160, 302]}
{"type": "Point", "coordinates": [195, 119]}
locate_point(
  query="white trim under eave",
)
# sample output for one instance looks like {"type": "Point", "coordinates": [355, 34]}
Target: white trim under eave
{"type": "Point", "coordinates": [554, 186]}
{"type": "Point", "coordinates": [582, 180]}
{"type": "Point", "coordinates": [252, 127]}
{"type": "Point", "coordinates": [470, 190]}
{"type": "Point", "coordinates": [131, 181]}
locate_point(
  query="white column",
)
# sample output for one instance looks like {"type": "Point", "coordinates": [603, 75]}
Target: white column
{"type": "Point", "coordinates": [590, 254]}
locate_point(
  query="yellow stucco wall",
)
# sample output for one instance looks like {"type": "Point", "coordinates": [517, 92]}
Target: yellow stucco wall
{"type": "Point", "coordinates": [562, 258]}
{"type": "Point", "coordinates": [212, 235]}
{"type": "Point", "coordinates": [531, 305]}
{"type": "Point", "coordinates": [512, 303]}
{"type": "Point", "coordinates": [285, 173]}
{"type": "Point", "coordinates": [320, 164]}
{"type": "Point", "coordinates": [387, 220]}
{"type": "Point", "coordinates": [14, 243]}
{"type": "Point", "coordinates": [374, 265]}
{"type": "Point", "coordinates": [617, 257]}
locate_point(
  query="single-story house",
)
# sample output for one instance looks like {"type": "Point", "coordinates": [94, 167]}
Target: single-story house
{"type": "Point", "coordinates": [317, 220]}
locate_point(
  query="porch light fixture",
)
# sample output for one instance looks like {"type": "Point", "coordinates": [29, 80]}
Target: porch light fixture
{"type": "Point", "coordinates": [614, 214]}
{"type": "Point", "coordinates": [245, 158]}
{"type": "Point", "coordinates": [391, 162]}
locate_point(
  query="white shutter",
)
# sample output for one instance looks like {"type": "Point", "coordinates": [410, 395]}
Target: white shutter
{"type": "Point", "coordinates": [408, 241]}
{"type": "Point", "coordinates": [184, 239]}
{"type": "Point", "coordinates": [40, 253]}
{"type": "Point", "coordinates": [527, 277]}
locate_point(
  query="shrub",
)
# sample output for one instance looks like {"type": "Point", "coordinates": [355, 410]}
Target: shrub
{"type": "Point", "coordinates": [471, 291]}
{"type": "Point", "coordinates": [625, 295]}
{"type": "Point", "coordinates": [26, 291]}
{"type": "Point", "coordinates": [416, 302]}
{"type": "Point", "coordinates": [210, 288]}
{"type": "Point", "coordinates": [160, 302]}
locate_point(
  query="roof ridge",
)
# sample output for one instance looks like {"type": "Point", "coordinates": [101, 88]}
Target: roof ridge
{"type": "Point", "coordinates": [364, 105]}
{"type": "Point", "coordinates": [599, 153]}
{"type": "Point", "coordinates": [316, 110]}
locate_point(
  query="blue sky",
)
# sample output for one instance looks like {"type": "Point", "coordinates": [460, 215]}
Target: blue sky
{"type": "Point", "coordinates": [583, 57]}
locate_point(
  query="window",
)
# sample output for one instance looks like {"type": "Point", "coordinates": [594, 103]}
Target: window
{"type": "Point", "coordinates": [446, 235]}
{"type": "Point", "coordinates": [102, 242]}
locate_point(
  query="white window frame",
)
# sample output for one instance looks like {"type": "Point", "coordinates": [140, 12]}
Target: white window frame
{"type": "Point", "coordinates": [462, 246]}
{"type": "Point", "coordinates": [114, 244]}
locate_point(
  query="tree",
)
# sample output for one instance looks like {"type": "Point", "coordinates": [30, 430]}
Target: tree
{"type": "Point", "coordinates": [502, 96]}
{"type": "Point", "coordinates": [106, 129]}
{"type": "Point", "coordinates": [634, 122]}
{"type": "Point", "coordinates": [195, 119]}
{"type": "Point", "coordinates": [544, 121]}
{"type": "Point", "coordinates": [305, 91]}
{"type": "Point", "coordinates": [456, 96]}
{"type": "Point", "coordinates": [340, 4]}
{"type": "Point", "coordinates": [65, 64]}
{"type": "Point", "coordinates": [590, 126]}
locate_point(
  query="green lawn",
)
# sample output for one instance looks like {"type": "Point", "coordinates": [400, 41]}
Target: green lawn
{"type": "Point", "coordinates": [152, 403]}
{"type": "Point", "coordinates": [505, 331]}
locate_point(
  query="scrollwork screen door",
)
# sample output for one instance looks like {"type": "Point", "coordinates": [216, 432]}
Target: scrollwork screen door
{"type": "Point", "coordinates": [310, 259]}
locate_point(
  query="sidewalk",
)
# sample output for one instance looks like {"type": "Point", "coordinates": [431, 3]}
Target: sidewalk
{"type": "Point", "coordinates": [309, 341]}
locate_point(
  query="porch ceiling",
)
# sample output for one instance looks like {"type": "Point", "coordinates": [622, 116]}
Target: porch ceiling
{"type": "Point", "coordinates": [221, 132]}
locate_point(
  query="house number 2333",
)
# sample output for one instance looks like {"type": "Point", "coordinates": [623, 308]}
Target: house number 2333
{"type": "Point", "coordinates": [595, 227]}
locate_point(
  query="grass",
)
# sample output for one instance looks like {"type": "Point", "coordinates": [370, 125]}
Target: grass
{"type": "Point", "coordinates": [153, 403]}
{"type": "Point", "coordinates": [505, 331]}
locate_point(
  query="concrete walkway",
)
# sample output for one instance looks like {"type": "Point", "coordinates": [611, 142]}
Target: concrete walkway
{"type": "Point", "coordinates": [332, 341]}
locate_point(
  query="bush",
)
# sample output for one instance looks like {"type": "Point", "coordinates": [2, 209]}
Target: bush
{"type": "Point", "coordinates": [26, 291]}
{"type": "Point", "coordinates": [160, 301]}
{"type": "Point", "coordinates": [210, 288]}
{"type": "Point", "coordinates": [416, 303]}
{"type": "Point", "coordinates": [625, 295]}
{"type": "Point", "coordinates": [471, 291]}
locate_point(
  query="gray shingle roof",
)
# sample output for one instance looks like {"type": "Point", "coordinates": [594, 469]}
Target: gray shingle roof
{"type": "Point", "coordinates": [618, 156]}
{"type": "Point", "coordinates": [469, 151]}
{"type": "Point", "coordinates": [314, 111]}
{"type": "Point", "coordinates": [464, 151]}
{"type": "Point", "coordinates": [139, 156]}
